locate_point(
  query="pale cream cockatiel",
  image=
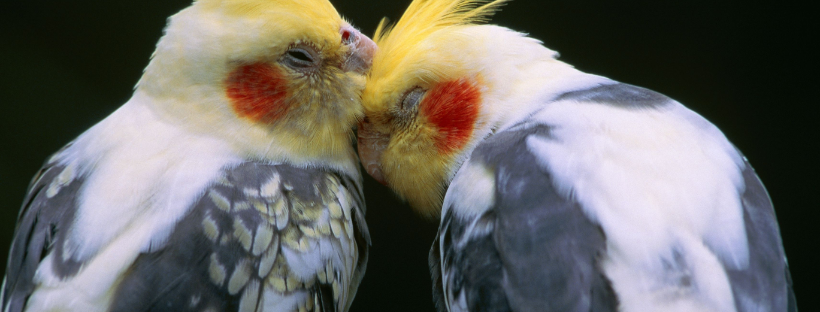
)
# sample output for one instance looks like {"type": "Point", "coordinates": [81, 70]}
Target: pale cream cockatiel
{"type": "Point", "coordinates": [228, 182]}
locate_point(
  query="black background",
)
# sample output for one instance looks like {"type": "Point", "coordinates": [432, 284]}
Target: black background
{"type": "Point", "coordinates": [744, 66]}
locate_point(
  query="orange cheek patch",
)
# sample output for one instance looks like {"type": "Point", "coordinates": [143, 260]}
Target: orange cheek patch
{"type": "Point", "coordinates": [452, 106]}
{"type": "Point", "coordinates": [257, 92]}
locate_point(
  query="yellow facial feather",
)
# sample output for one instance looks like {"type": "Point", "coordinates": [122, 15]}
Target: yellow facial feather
{"type": "Point", "coordinates": [427, 46]}
{"type": "Point", "coordinates": [315, 20]}
{"type": "Point", "coordinates": [320, 9]}
{"type": "Point", "coordinates": [410, 52]}
{"type": "Point", "coordinates": [205, 45]}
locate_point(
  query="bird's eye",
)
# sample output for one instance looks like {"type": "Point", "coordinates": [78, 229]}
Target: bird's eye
{"type": "Point", "coordinates": [412, 98]}
{"type": "Point", "coordinates": [300, 58]}
{"type": "Point", "coordinates": [300, 55]}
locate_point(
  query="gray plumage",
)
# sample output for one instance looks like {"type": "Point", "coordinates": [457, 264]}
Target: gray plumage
{"type": "Point", "coordinates": [540, 251]}
{"type": "Point", "coordinates": [766, 284]}
{"type": "Point", "coordinates": [221, 231]}
{"type": "Point", "coordinates": [617, 94]}
{"type": "Point", "coordinates": [43, 225]}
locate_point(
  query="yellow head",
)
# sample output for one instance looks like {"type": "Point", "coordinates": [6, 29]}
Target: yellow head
{"type": "Point", "coordinates": [427, 96]}
{"type": "Point", "coordinates": [280, 79]}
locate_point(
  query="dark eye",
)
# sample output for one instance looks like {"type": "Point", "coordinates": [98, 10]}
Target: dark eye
{"type": "Point", "coordinates": [300, 58]}
{"type": "Point", "coordinates": [300, 55]}
{"type": "Point", "coordinates": [412, 98]}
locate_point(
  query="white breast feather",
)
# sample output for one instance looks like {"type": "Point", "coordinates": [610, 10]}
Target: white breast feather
{"type": "Point", "coordinates": [655, 180]}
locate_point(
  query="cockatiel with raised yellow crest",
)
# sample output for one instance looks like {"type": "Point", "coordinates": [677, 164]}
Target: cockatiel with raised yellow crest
{"type": "Point", "coordinates": [560, 190]}
{"type": "Point", "coordinates": [228, 182]}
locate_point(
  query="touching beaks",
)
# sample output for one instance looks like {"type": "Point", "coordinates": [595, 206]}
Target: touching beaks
{"type": "Point", "coordinates": [371, 146]}
{"type": "Point", "coordinates": [362, 50]}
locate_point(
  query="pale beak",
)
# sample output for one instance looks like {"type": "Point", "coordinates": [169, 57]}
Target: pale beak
{"type": "Point", "coordinates": [371, 147]}
{"type": "Point", "coordinates": [362, 50]}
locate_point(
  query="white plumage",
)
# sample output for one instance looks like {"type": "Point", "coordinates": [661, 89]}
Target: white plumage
{"type": "Point", "coordinates": [652, 179]}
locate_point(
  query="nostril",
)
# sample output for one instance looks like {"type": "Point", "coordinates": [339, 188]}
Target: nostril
{"type": "Point", "coordinates": [347, 37]}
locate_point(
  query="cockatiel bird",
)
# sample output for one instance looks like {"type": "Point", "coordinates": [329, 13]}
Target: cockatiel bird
{"type": "Point", "coordinates": [561, 190]}
{"type": "Point", "coordinates": [228, 182]}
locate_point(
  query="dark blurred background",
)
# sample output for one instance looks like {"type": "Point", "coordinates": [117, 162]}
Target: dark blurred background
{"type": "Point", "coordinates": [746, 67]}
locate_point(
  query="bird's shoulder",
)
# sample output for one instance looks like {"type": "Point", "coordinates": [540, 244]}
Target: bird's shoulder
{"type": "Point", "coordinates": [510, 241]}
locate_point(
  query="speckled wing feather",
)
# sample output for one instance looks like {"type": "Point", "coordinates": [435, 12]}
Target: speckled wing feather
{"type": "Point", "coordinates": [262, 237]}
{"type": "Point", "coordinates": [43, 222]}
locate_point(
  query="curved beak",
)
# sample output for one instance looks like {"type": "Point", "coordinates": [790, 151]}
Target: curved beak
{"type": "Point", "coordinates": [362, 50]}
{"type": "Point", "coordinates": [371, 146]}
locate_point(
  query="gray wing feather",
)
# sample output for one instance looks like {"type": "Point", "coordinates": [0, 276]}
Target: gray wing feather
{"type": "Point", "coordinates": [765, 285]}
{"type": "Point", "coordinates": [434, 261]}
{"type": "Point", "coordinates": [219, 240]}
{"type": "Point", "coordinates": [43, 222]}
{"type": "Point", "coordinates": [535, 250]}
{"type": "Point", "coordinates": [618, 94]}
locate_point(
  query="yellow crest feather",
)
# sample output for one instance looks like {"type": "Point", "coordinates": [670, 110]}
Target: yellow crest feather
{"type": "Point", "coordinates": [423, 17]}
{"type": "Point", "coordinates": [421, 20]}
